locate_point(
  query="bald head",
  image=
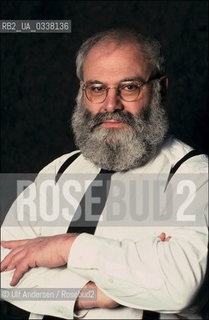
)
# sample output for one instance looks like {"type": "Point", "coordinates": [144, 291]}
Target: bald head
{"type": "Point", "coordinates": [149, 48]}
{"type": "Point", "coordinates": [115, 57]}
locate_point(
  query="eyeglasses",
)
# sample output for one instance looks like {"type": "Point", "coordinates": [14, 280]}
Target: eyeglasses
{"type": "Point", "coordinates": [126, 90]}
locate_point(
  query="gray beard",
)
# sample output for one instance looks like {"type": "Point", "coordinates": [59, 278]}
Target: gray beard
{"type": "Point", "coordinates": [123, 148]}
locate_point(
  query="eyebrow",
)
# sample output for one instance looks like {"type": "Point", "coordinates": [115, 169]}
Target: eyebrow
{"type": "Point", "coordinates": [94, 81]}
{"type": "Point", "coordinates": [122, 80]}
{"type": "Point", "coordinates": [132, 79]}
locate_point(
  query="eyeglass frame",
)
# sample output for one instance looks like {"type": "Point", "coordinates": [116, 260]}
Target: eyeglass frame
{"type": "Point", "coordinates": [157, 77]}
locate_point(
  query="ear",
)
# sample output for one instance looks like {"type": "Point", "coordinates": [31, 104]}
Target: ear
{"type": "Point", "coordinates": [81, 82]}
{"type": "Point", "coordinates": [164, 87]}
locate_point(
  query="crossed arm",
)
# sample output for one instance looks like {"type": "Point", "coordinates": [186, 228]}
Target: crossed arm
{"type": "Point", "coordinates": [51, 251]}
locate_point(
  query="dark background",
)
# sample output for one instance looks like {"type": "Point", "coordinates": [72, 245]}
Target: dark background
{"type": "Point", "coordinates": [39, 85]}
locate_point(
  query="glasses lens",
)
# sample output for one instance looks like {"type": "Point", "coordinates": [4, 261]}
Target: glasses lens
{"type": "Point", "coordinates": [95, 93]}
{"type": "Point", "coordinates": [129, 91]}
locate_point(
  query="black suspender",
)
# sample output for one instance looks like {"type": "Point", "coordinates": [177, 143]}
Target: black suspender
{"type": "Point", "coordinates": [66, 164]}
{"type": "Point", "coordinates": [179, 163]}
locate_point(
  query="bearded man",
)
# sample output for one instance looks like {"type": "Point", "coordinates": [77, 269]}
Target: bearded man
{"type": "Point", "coordinates": [144, 261]}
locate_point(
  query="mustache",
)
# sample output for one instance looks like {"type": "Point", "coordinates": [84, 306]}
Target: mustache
{"type": "Point", "coordinates": [118, 115]}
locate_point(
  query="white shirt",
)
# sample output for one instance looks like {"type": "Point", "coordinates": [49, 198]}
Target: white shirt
{"type": "Point", "coordinates": [125, 257]}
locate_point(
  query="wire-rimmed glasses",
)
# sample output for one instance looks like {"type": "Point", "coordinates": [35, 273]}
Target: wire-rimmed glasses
{"type": "Point", "coordinates": [96, 92]}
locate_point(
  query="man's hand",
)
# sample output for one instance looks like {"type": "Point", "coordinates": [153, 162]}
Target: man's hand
{"type": "Point", "coordinates": [39, 252]}
{"type": "Point", "coordinates": [101, 301]}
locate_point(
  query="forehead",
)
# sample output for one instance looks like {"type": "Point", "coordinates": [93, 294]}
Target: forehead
{"type": "Point", "coordinates": [112, 62]}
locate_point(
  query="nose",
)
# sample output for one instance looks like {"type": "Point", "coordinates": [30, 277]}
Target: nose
{"type": "Point", "coordinates": [113, 101]}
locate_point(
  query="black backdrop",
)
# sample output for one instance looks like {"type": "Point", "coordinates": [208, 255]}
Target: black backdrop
{"type": "Point", "coordinates": [38, 82]}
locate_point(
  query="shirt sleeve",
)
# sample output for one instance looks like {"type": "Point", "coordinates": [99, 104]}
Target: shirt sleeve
{"type": "Point", "coordinates": [149, 274]}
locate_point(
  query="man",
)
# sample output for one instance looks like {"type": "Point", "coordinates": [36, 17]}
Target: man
{"type": "Point", "coordinates": [145, 249]}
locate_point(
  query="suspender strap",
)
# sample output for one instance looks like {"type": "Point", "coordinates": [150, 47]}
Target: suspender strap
{"type": "Point", "coordinates": [66, 164]}
{"type": "Point", "coordinates": [179, 163]}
